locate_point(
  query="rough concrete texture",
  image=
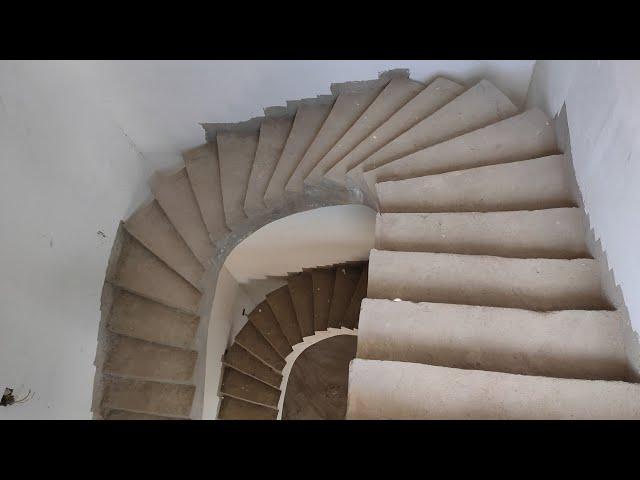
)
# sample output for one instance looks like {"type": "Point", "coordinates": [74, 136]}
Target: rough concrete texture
{"type": "Point", "coordinates": [345, 111]}
{"type": "Point", "coordinates": [234, 409]}
{"type": "Point", "coordinates": [240, 359]}
{"type": "Point", "coordinates": [400, 390]}
{"type": "Point", "coordinates": [308, 121]}
{"type": "Point", "coordinates": [243, 387]}
{"type": "Point", "coordinates": [533, 184]}
{"type": "Point", "coordinates": [131, 357]}
{"type": "Point", "coordinates": [151, 227]}
{"type": "Point", "coordinates": [236, 151]}
{"type": "Point", "coordinates": [481, 105]}
{"type": "Point", "coordinates": [141, 272]}
{"type": "Point", "coordinates": [175, 196]}
{"type": "Point", "coordinates": [252, 341]}
{"type": "Point", "coordinates": [525, 136]}
{"type": "Point", "coordinates": [437, 94]}
{"type": "Point", "coordinates": [396, 94]}
{"type": "Point", "coordinates": [147, 397]}
{"type": "Point", "coordinates": [567, 344]}
{"type": "Point", "coordinates": [282, 307]}
{"type": "Point", "coordinates": [552, 233]}
{"type": "Point", "coordinates": [273, 136]}
{"type": "Point", "coordinates": [138, 317]}
{"type": "Point", "coordinates": [264, 320]}
{"type": "Point", "coordinates": [534, 284]}
{"type": "Point", "coordinates": [203, 169]}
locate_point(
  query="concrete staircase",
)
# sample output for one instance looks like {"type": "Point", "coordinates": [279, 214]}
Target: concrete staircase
{"type": "Point", "coordinates": [483, 296]}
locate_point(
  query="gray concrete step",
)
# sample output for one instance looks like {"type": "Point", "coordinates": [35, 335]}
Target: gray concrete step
{"type": "Point", "coordinates": [401, 390]}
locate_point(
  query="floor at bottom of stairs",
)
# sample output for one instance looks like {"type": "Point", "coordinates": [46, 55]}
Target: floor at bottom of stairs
{"type": "Point", "coordinates": [317, 386]}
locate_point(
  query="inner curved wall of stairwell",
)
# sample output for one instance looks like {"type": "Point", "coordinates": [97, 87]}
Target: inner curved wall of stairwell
{"type": "Point", "coordinates": [298, 241]}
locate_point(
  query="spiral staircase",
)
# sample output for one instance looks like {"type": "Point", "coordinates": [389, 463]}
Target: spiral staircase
{"type": "Point", "coordinates": [482, 298]}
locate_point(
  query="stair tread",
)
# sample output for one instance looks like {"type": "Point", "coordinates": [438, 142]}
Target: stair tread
{"type": "Point", "coordinates": [535, 184]}
{"type": "Point", "coordinates": [273, 136]}
{"type": "Point", "coordinates": [345, 111]}
{"type": "Point", "coordinates": [531, 283]}
{"type": "Point", "coordinates": [242, 360]}
{"type": "Point", "coordinates": [250, 338]}
{"type": "Point", "coordinates": [141, 396]}
{"type": "Point", "coordinates": [396, 94]}
{"type": "Point", "coordinates": [141, 272]}
{"type": "Point", "coordinates": [301, 289]}
{"type": "Point", "coordinates": [401, 390]}
{"type": "Point", "coordinates": [352, 313]}
{"type": "Point", "coordinates": [346, 280]}
{"type": "Point", "coordinates": [264, 320]}
{"type": "Point", "coordinates": [524, 136]}
{"type": "Point", "coordinates": [481, 105]}
{"type": "Point", "coordinates": [569, 343]}
{"type": "Point", "coordinates": [125, 415]}
{"type": "Point", "coordinates": [282, 307]}
{"type": "Point", "coordinates": [203, 170]}
{"type": "Point", "coordinates": [151, 227]}
{"type": "Point", "coordinates": [308, 121]}
{"type": "Point", "coordinates": [145, 319]}
{"type": "Point", "coordinates": [234, 409]}
{"type": "Point", "coordinates": [175, 196]}
{"type": "Point", "coordinates": [551, 233]}
{"type": "Point", "coordinates": [243, 387]}
{"type": "Point", "coordinates": [323, 280]}
{"type": "Point", "coordinates": [138, 358]}
{"type": "Point", "coordinates": [236, 152]}
{"type": "Point", "coordinates": [437, 94]}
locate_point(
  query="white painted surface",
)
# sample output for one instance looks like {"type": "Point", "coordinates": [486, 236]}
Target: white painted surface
{"type": "Point", "coordinates": [603, 110]}
{"type": "Point", "coordinates": [308, 239]}
{"type": "Point", "coordinates": [68, 173]}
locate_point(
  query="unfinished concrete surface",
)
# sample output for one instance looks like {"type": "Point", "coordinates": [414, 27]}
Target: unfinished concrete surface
{"type": "Point", "coordinates": [486, 298]}
{"type": "Point", "coordinates": [401, 390]}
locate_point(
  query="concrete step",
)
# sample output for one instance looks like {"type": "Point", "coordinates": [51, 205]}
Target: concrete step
{"type": "Point", "coordinates": [273, 136]}
{"type": "Point", "coordinates": [139, 271]}
{"type": "Point", "coordinates": [203, 170]}
{"type": "Point", "coordinates": [265, 321]}
{"type": "Point", "coordinates": [568, 344]}
{"type": "Point", "coordinates": [535, 184]}
{"type": "Point", "coordinates": [348, 107]}
{"type": "Point", "coordinates": [309, 118]}
{"type": "Point", "coordinates": [250, 338]}
{"type": "Point", "coordinates": [144, 319]}
{"type": "Point", "coordinates": [132, 357]}
{"type": "Point", "coordinates": [236, 152]}
{"type": "Point", "coordinates": [437, 94]}
{"type": "Point", "coordinates": [234, 409]}
{"type": "Point", "coordinates": [151, 227]}
{"type": "Point", "coordinates": [346, 281]}
{"type": "Point", "coordinates": [301, 290]}
{"type": "Point", "coordinates": [552, 233]}
{"type": "Point", "coordinates": [394, 96]}
{"type": "Point", "coordinates": [481, 105]}
{"type": "Point", "coordinates": [323, 280]}
{"type": "Point", "coordinates": [282, 307]}
{"type": "Point", "coordinates": [124, 415]}
{"type": "Point", "coordinates": [400, 390]}
{"type": "Point", "coordinates": [242, 360]}
{"type": "Point", "coordinates": [534, 284]}
{"type": "Point", "coordinates": [352, 314]}
{"type": "Point", "coordinates": [175, 196]}
{"type": "Point", "coordinates": [153, 398]}
{"type": "Point", "coordinates": [243, 387]}
{"type": "Point", "coordinates": [524, 136]}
